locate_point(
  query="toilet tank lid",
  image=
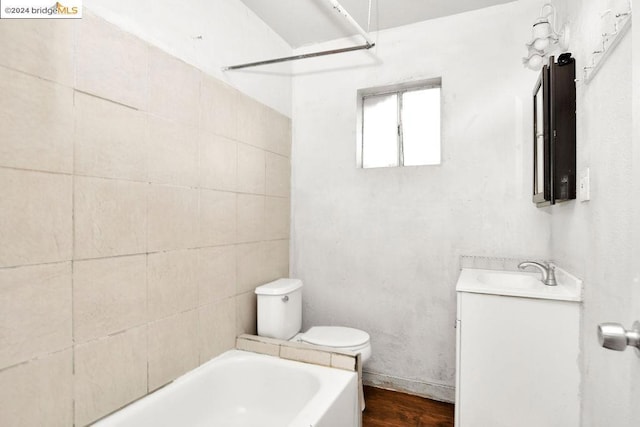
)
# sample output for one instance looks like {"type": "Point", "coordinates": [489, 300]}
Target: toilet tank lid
{"type": "Point", "coordinates": [279, 287]}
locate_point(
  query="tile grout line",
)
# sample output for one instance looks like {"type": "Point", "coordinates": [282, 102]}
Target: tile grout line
{"type": "Point", "coordinates": [73, 253]}
{"type": "Point", "coordinates": [148, 195]}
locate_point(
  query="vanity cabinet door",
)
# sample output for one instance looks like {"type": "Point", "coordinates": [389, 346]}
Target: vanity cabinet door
{"type": "Point", "coordinates": [517, 362]}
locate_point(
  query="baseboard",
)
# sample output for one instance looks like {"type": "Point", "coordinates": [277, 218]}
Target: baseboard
{"type": "Point", "coordinates": [440, 392]}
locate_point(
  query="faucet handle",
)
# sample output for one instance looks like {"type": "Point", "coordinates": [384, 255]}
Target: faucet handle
{"type": "Point", "coordinates": [551, 275]}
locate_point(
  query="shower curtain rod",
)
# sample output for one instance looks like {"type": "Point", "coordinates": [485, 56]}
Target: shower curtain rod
{"type": "Point", "coordinates": [338, 8]}
{"type": "Point", "coordinates": [302, 56]}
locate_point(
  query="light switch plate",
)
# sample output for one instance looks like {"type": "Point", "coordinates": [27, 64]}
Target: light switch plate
{"type": "Point", "coordinates": [584, 189]}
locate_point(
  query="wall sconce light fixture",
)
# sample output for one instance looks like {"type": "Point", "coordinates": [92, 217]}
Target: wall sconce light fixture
{"type": "Point", "coordinates": [545, 39]}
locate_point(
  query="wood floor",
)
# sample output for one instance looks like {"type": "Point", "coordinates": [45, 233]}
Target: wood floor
{"type": "Point", "coordinates": [386, 408]}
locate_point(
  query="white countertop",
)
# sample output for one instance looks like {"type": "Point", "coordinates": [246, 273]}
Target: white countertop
{"type": "Point", "coordinates": [520, 284]}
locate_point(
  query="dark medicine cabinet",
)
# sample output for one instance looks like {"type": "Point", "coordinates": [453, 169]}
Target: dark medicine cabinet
{"type": "Point", "coordinates": [554, 132]}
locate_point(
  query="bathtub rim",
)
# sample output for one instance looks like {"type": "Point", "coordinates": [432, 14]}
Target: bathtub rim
{"type": "Point", "coordinates": [310, 409]}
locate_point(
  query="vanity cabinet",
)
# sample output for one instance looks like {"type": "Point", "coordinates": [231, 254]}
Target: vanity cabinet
{"type": "Point", "coordinates": [517, 361]}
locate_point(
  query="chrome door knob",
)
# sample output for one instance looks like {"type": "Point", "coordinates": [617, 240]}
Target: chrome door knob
{"type": "Point", "coordinates": [615, 337]}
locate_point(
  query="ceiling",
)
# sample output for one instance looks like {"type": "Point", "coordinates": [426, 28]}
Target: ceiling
{"type": "Point", "coordinates": [304, 22]}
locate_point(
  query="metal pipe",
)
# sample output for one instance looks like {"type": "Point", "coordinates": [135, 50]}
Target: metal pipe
{"type": "Point", "coordinates": [302, 56]}
{"type": "Point", "coordinates": [338, 8]}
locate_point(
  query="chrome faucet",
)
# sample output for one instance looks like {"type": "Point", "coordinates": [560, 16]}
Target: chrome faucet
{"type": "Point", "coordinates": [548, 271]}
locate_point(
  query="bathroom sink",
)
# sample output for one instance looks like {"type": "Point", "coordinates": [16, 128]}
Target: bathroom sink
{"type": "Point", "coordinates": [507, 278]}
{"type": "Point", "coordinates": [519, 284]}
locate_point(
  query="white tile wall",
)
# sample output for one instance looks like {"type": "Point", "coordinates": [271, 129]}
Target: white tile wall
{"type": "Point", "coordinates": [36, 213]}
{"type": "Point", "coordinates": [110, 217]}
{"type": "Point", "coordinates": [35, 311]}
{"type": "Point", "coordinates": [279, 129]}
{"type": "Point", "coordinates": [110, 63]}
{"type": "Point", "coordinates": [254, 130]}
{"type": "Point", "coordinates": [110, 139]}
{"type": "Point", "coordinates": [251, 218]}
{"type": "Point", "coordinates": [218, 162]}
{"type": "Point", "coordinates": [172, 218]}
{"type": "Point", "coordinates": [109, 296]}
{"type": "Point", "coordinates": [37, 123]}
{"type": "Point", "coordinates": [276, 262]}
{"type": "Point", "coordinates": [218, 218]}
{"type": "Point", "coordinates": [174, 88]}
{"type": "Point", "coordinates": [40, 48]}
{"type": "Point", "coordinates": [217, 275]}
{"type": "Point", "coordinates": [216, 328]}
{"type": "Point", "coordinates": [278, 175]}
{"type": "Point", "coordinates": [251, 169]}
{"type": "Point", "coordinates": [172, 283]}
{"type": "Point", "coordinates": [173, 347]}
{"type": "Point", "coordinates": [250, 266]}
{"type": "Point", "coordinates": [109, 373]}
{"type": "Point", "coordinates": [219, 109]}
{"type": "Point", "coordinates": [133, 218]}
{"type": "Point", "coordinates": [172, 156]}
{"type": "Point", "coordinates": [246, 313]}
{"type": "Point", "coordinates": [38, 393]}
{"type": "Point", "coordinates": [276, 218]}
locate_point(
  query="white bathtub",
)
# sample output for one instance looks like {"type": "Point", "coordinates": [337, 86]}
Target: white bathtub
{"type": "Point", "coordinates": [242, 389]}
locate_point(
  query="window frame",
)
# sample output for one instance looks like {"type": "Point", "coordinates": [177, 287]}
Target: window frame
{"type": "Point", "coordinates": [399, 89]}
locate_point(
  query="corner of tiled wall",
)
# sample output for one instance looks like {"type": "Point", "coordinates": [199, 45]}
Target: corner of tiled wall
{"type": "Point", "coordinates": [141, 203]}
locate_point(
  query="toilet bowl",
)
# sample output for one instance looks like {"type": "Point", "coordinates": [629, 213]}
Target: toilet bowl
{"type": "Point", "coordinates": [280, 316]}
{"type": "Point", "coordinates": [338, 337]}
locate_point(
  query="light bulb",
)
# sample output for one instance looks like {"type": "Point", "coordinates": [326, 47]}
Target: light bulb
{"type": "Point", "coordinates": [541, 44]}
{"type": "Point", "coordinates": [535, 62]}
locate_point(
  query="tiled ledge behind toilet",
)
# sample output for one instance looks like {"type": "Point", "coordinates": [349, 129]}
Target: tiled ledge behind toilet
{"type": "Point", "coordinates": [299, 352]}
{"type": "Point", "coordinates": [142, 203]}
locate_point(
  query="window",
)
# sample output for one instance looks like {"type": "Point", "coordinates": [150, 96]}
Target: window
{"type": "Point", "coordinates": [399, 126]}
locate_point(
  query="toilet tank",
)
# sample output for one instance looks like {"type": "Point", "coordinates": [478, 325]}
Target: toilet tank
{"type": "Point", "coordinates": [280, 308]}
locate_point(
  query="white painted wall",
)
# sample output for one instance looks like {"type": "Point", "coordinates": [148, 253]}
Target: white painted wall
{"type": "Point", "coordinates": [595, 239]}
{"type": "Point", "coordinates": [635, 370]}
{"type": "Point", "coordinates": [230, 34]}
{"type": "Point", "coordinates": [379, 249]}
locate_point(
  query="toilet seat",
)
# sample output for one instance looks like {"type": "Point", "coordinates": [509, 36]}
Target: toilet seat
{"type": "Point", "coordinates": [341, 337]}
{"type": "Point", "coordinates": [335, 336]}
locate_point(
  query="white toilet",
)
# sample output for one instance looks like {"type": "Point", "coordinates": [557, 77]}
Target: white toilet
{"type": "Point", "coordinates": [280, 316]}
